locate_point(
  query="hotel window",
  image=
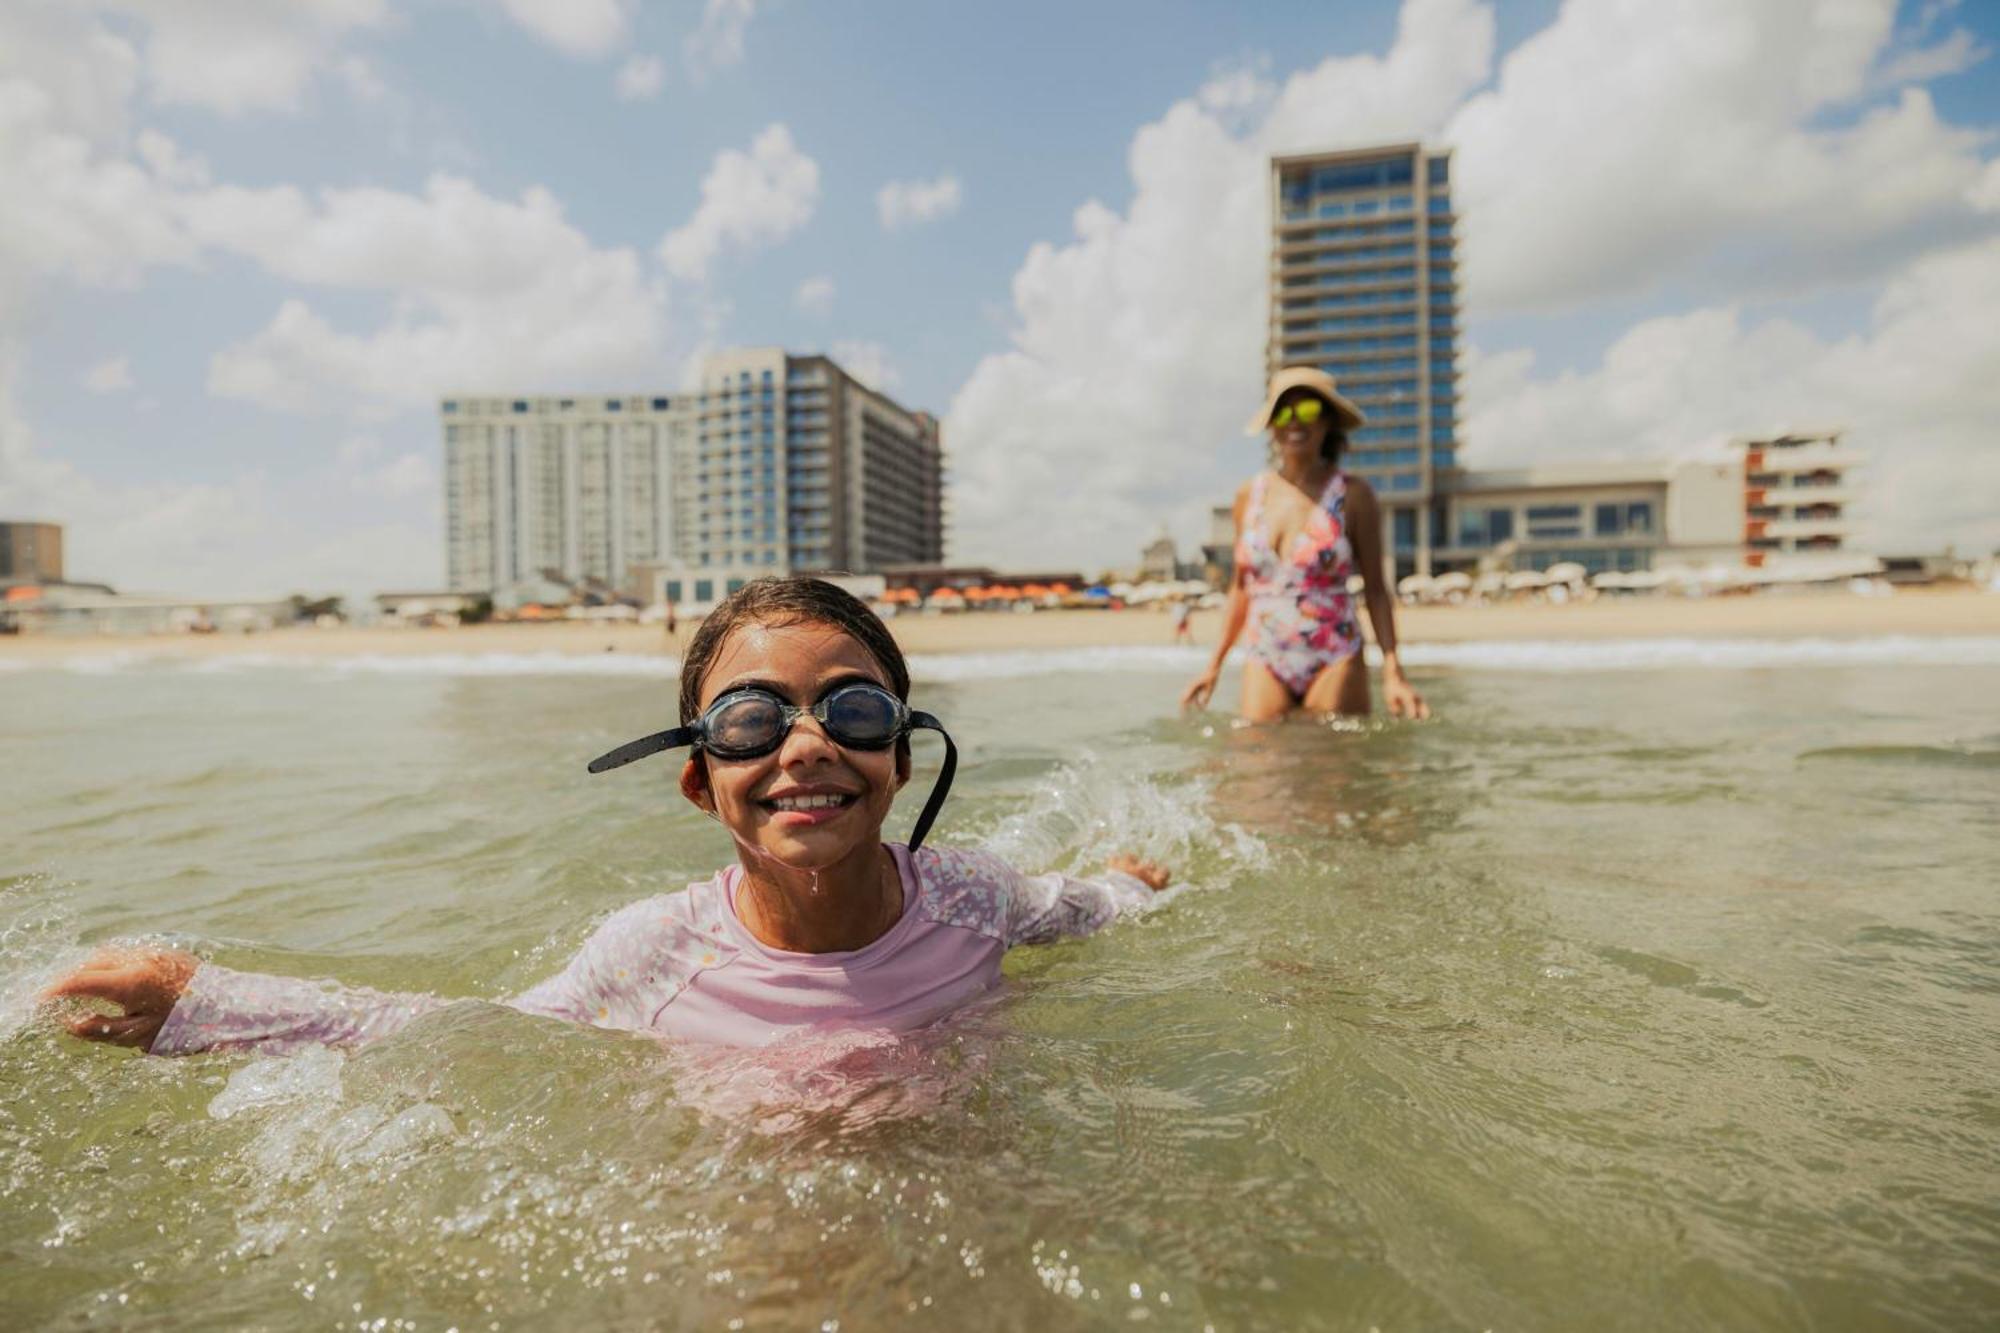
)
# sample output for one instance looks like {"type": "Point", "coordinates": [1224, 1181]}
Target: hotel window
{"type": "Point", "coordinates": [704, 589]}
{"type": "Point", "coordinates": [1626, 519]}
{"type": "Point", "coordinates": [1556, 522]}
{"type": "Point", "coordinates": [673, 590]}
{"type": "Point", "coordinates": [1487, 526]}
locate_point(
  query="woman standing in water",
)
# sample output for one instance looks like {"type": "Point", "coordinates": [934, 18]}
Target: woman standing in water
{"type": "Point", "coordinates": [1303, 528]}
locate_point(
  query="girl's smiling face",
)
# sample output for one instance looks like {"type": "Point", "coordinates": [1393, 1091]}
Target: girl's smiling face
{"type": "Point", "coordinates": [810, 803]}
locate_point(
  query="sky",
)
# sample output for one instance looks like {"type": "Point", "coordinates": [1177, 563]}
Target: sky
{"type": "Point", "coordinates": [246, 247]}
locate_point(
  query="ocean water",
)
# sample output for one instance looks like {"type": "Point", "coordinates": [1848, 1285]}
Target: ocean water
{"type": "Point", "coordinates": [1651, 986]}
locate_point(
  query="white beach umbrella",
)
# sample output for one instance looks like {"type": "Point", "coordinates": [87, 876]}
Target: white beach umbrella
{"type": "Point", "coordinates": [1412, 585]}
{"type": "Point", "coordinates": [1643, 579]}
{"type": "Point", "coordinates": [1456, 581]}
{"type": "Point", "coordinates": [1523, 579]}
{"type": "Point", "coordinates": [1490, 582]}
{"type": "Point", "coordinates": [1610, 578]}
{"type": "Point", "coordinates": [1567, 571]}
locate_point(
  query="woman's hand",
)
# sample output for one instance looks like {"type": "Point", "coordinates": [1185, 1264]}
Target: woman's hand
{"type": "Point", "coordinates": [1197, 693]}
{"type": "Point", "coordinates": [1401, 697]}
{"type": "Point", "coordinates": [1150, 873]}
{"type": "Point", "coordinates": [145, 983]}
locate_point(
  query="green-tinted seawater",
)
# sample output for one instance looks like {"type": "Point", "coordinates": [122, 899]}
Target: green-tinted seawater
{"type": "Point", "coordinates": [1620, 998]}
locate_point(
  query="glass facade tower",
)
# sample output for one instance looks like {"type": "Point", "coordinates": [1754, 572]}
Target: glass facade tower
{"type": "Point", "coordinates": [1363, 285]}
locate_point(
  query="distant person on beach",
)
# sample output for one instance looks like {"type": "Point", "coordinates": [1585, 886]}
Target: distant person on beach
{"type": "Point", "coordinates": [1303, 528]}
{"type": "Point", "coordinates": [1183, 613]}
{"type": "Point", "coordinates": [793, 699]}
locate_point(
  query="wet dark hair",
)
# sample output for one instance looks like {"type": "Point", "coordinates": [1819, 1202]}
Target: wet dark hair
{"type": "Point", "coordinates": [1335, 442]}
{"type": "Point", "coordinates": [791, 600]}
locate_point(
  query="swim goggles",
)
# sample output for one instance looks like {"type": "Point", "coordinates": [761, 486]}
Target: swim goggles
{"type": "Point", "coordinates": [1305, 411]}
{"type": "Point", "coordinates": [749, 723]}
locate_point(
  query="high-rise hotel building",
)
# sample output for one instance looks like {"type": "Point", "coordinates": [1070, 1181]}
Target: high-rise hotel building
{"type": "Point", "coordinates": [775, 463]}
{"type": "Point", "coordinates": [1363, 285]}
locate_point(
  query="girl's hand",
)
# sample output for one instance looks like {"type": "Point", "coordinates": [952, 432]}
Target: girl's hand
{"type": "Point", "coordinates": [1150, 873]}
{"type": "Point", "coordinates": [1196, 694]}
{"type": "Point", "coordinates": [145, 983]}
{"type": "Point", "coordinates": [1402, 698]}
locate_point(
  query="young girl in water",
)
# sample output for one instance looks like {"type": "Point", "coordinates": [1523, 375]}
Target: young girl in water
{"type": "Point", "coordinates": [793, 700]}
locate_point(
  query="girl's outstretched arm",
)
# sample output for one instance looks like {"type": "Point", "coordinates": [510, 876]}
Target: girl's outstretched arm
{"type": "Point", "coordinates": [175, 1004]}
{"type": "Point", "coordinates": [1058, 906]}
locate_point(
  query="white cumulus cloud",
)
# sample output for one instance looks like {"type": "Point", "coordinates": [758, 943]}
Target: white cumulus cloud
{"type": "Point", "coordinates": [717, 42]}
{"type": "Point", "coordinates": [815, 296]}
{"type": "Point", "coordinates": [487, 291]}
{"type": "Point", "coordinates": [1138, 344]}
{"type": "Point", "coordinates": [868, 362]}
{"type": "Point", "coordinates": [575, 27]}
{"type": "Point", "coordinates": [112, 376]}
{"type": "Point", "coordinates": [639, 79]}
{"type": "Point", "coordinates": [235, 56]}
{"type": "Point", "coordinates": [911, 203]}
{"type": "Point", "coordinates": [748, 199]}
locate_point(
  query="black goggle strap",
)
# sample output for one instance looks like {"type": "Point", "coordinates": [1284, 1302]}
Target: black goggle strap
{"type": "Point", "coordinates": [645, 745]}
{"type": "Point", "coordinates": [942, 787]}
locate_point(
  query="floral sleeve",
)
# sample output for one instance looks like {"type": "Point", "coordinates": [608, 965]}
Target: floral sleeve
{"type": "Point", "coordinates": [223, 1008]}
{"type": "Point", "coordinates": [1057, 906]}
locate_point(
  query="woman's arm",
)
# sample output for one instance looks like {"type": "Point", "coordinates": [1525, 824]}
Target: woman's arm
{"type": "Point", "coordinates": [1233, 616]}
{"type": "Point", "coordinates": [1365, 529]}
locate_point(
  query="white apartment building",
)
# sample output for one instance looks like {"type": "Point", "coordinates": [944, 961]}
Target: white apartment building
{"type": "Point", "coordinates": [576, 485]}
{"type": "Point", "coordinates": [776, 462]}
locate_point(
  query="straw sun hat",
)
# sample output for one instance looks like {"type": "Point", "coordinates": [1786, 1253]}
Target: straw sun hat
{"type": "Point", "coordinates": [1305, 377]}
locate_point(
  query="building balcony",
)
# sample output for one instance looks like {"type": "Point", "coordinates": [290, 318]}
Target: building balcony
{"type": "Point", "coordinates": [1807, 458]}
{"type": "Point", "coordinates": [1803, 528]}
{"type": "Point", "coordinates": [1792, 496]}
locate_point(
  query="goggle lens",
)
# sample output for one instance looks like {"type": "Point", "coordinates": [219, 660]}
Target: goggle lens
{"type": "Point", "coordinates": [1305, 412]}
{"type": "Point", "coordinates": [752, 723]}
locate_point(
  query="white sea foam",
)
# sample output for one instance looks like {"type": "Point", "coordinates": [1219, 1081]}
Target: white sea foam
{"type": "Point", "coordinates": [1490, 655]}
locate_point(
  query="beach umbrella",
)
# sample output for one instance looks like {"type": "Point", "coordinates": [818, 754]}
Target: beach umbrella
{"type": "Point", "coordinates": [1002, 594]}
{"type": "Point", "coordinates": [1522, 579]}
{"type": "Point", "coordinates": [1456, 581]}
{"type": "Point", "coordinates": [1097, 592]}
{"type": "Point", "coordinates": [1646, 579]}
{"type": "Point", "coordinates": [1610, 578]}
{"type": "Point", "coordinates": [1567, 571]}
{"type": "Point", "coordinates": [1411, 585]}
{"type": "Point", "coordinates": [1355, 585]}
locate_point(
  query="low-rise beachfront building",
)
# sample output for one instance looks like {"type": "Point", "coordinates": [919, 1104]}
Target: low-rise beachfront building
{"type": "Point", "coordinates": [1796, 496]}
{"type": "Point", "coordinates": [1607, 517]}
{"type": "Point", "coordinates": [774, 463]}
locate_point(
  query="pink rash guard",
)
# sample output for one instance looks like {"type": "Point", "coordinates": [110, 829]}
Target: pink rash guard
{"type": "Point", "coordinates": [683, 965]}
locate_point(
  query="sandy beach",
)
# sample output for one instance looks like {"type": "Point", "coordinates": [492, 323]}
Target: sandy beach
{"type": "Point", "coordinates": [1785, 616]}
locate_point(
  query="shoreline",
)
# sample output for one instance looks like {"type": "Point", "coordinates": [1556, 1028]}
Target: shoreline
{"type": "Point", "coordinates": [1798, 616]}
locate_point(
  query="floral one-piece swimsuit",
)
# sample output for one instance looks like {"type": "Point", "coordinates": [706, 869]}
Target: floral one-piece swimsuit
{"type": "Point", "coordinates": [1302, 614]}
